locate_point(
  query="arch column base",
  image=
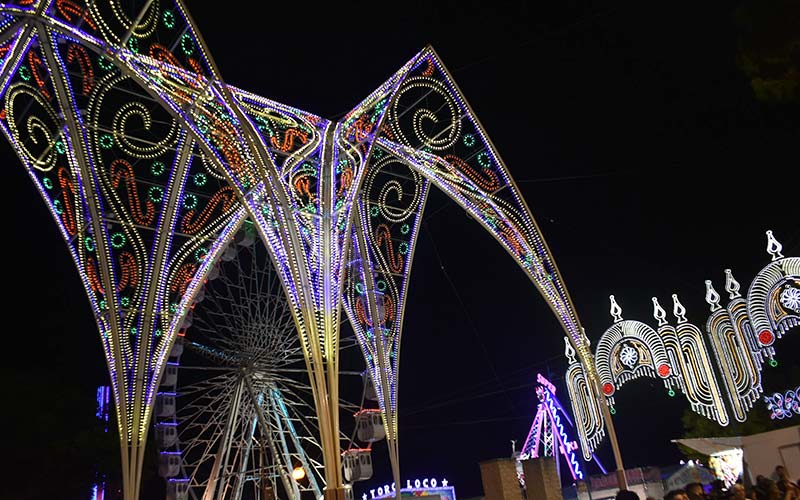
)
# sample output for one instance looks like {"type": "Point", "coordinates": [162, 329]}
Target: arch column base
{"type": "Point", "coordinates": [334, 494]}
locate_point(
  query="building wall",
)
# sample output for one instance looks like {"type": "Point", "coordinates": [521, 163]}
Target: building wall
{"type": "Point", "coordinates": [764, 451]}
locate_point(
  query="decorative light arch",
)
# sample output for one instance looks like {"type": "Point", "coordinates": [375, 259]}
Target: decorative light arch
{"type": "Point", "coordinates": [629, 350]}
{"type": "Point", "coordinates": [149, 162]}
{"type": "Point", "coordinates": [774, 297]}
{"type": "Point", "coordinates": [740, 334]}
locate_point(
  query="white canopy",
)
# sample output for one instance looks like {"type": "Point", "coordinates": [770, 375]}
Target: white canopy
{"type": "Point", "coordinates": [712, 446]}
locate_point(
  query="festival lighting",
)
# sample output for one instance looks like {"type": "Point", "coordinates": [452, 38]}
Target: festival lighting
{"type": "Point", "coordinates": [738, 358]}
{"type": "Point", "coordinates": [589, 419]}
{"type": "Point", "coordinates": [548, 436]}
{"type": "Point", "coordinates": [149, 163]}
{"type": "Point", "coordinates": [773, 300]}
{"type": "Point", "coordinates": [629, 350]}
{"type": "Point", "coordinates": [741, 334]}
{"type": "Point", "coordinates": [782, 405]}
{"type": "Point", "coordinates": [694, 374]}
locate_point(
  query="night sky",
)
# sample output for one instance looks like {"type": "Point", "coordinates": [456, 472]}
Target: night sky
{"type": "Point", "coordinates": [633, 136]}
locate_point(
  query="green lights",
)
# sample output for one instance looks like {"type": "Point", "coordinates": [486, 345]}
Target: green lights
{"type": "Point", "coordinates": [483, 160]}
{"type": "Point", "coordinates": [190, 201]}
{"type": "Point", "coordinates": [187, 44]}
{"type": "Point", "coordinates": [133, 44]}
{"type": "Point", "coordinates": [155, 194]}
{"type": "Point", "coordinates": [157, 168]}
{"type": "Point", "coordinates": [106, 141]}
{"type": "Point", "coordinates": [104, 63]}
{"type": "Point", "coordinates": [117, 240]}
{"type": "Point", "coordinates": [168, 18]}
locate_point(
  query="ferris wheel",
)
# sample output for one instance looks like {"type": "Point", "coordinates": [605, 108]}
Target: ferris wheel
{"type": "Point", "coordinates": [234, 417]}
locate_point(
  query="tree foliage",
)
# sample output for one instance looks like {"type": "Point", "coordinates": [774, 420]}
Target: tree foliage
{"type": "Point", "coordinates": [769, 48]}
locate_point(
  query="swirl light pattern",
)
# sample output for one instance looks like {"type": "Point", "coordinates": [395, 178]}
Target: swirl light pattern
{"type": "Point", "coordinates": [121, 177]}
{"type": "Point", "coordinates": [149, 163]}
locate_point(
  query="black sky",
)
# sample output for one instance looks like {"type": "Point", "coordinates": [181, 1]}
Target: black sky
{"type": "Point", "coordinates": [633, 136]}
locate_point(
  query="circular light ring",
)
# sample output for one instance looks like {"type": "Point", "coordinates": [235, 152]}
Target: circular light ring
{"type": "Point", "coordinates": [118, 240]}
{"type": "Point", "coordinates": [168, 18]}
{"type": "Point", "coordinates": [190, 201]}
{"type": "Point", "coordinates": [155, 194]}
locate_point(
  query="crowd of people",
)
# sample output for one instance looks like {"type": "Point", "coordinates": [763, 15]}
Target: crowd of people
{"type": "Point", "coordinates": [779, 487]}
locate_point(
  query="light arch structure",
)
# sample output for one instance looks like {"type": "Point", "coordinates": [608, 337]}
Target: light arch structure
{"type": "Point", "coordinates": [628, 350]}
{"type": "Point", "coordinates": [134, 141]}
{"type": "Point", "coordinates": [773, 300]}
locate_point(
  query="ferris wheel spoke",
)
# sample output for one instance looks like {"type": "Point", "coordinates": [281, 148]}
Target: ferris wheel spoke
{"type": "Point", "coordinates": [245, 410]}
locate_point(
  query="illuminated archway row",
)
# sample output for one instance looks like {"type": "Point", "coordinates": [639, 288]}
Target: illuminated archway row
{"type": "Point", "coordinates": [719, 382]}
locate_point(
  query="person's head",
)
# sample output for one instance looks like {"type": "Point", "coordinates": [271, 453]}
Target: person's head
{"type": "Point", "coordinates": [780, 471]}
{"type": "Point", "coordinates": [626, 495]}
{"type": "Point", "coordinates": [694, 490]}
{"type": "Point", "coordinates": [773, 491]}
{"type": "Point", "coordinates": [679, 494]}
{"type": "Point", "coordinates": [738, 491]}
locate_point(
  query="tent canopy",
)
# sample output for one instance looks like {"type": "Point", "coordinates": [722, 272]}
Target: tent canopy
{"type": "Point", "coordinates": [711, 446]}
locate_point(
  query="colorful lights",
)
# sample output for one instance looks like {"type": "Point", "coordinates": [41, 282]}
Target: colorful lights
{"type": "Point", "coordinates": [158, 147]}
{"type": "Point", "coordinates": [783, 404]}
{"type": "Point", "coordinates": [548, 433]}
{"type": "Point", "coordinates": [740, 333]}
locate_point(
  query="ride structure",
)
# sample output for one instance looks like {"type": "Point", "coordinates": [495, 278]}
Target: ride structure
{"type": "Point", "coordinates": [234, 412]}
{"type": "Point", "coordinates": [149, 163]}
{"type": "Point", "coordinates": [549, 437]}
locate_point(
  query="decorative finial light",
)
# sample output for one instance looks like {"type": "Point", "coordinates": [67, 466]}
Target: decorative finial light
{"type": "Point", "coordinates": [712, 297]}
{"type": "Point", "coordinates": [569, 351]}
{"type": "Point", "coordinates": [616, 310]}
{"type": "Point", "coordinates": [773, 247]}
{"type": "Point", "coordinates": [731, 285]}
{"type": "Point", "coordinates": [678, 310]}
{"type": "Point", "coordinates": [659, 313]}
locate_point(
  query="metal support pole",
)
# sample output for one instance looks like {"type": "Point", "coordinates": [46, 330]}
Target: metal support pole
{"type": "Point", "coordinates": [622, 481]}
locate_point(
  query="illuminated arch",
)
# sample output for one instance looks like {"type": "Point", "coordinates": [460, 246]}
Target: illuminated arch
{"type": "Point", "coordinates": [310, 185]}
{"type": "Point", "coordinates": [628, 350]}
{"type": "Point", "coordinates": [588, 415]}
{"type": "Point", "coordinates": [735, 348]}
{"type": "Point", "coordinates": [694, 373]}
{"type": "Point", "coordinates": [773, 300]}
